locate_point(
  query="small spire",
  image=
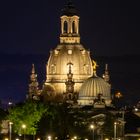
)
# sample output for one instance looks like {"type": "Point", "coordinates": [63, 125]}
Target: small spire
{"type": "Point", "coordinates": [33, 76]}
{"type": "Point", "coordinates": [106, 74]}
{"type": "Point", "coordinates": [33, 69]}
{"type": "Point", "coordinates": [69, 9]}
{"type": "Point", "coordinates": [94, 64]}
{"type": "Point", "coordinates": [70, 3]}
{"type": "Point", "coordinates": [33, 86]}
{"type": "Point", "coordinates": [106, 67]}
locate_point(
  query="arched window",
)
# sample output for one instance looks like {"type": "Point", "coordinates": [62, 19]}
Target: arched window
{"type": "Point", "coordinates": [86, 68]}
{"type": "Point", "coordinates": [73, 27]}
{"type": "Point", "coordinates": [53, 68]}
{"type": "Point", "coordinates": [65, 26]}
{"type": "Point", "coordinates": [70, 96]}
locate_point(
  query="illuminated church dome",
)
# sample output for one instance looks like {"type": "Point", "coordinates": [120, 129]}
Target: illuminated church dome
{"type": "Point", "coordinates": [70, 50]}
{"type": "Point", "coordinates": [70, 70]}
{"type": "Point", "coordinates": [92, 88]}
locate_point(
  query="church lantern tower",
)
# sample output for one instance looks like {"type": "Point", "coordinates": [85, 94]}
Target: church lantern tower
{"type": "Point", "coordinates": [68, 50]}
{"type": "Point", "coordinates": [69, 25]}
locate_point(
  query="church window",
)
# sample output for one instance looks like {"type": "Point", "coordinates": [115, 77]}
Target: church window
{"type": "Point", "coordinates": [73, 27]}
{"type": "Point", "coordinates": [69, 51]}
{"type": "Point", "coordinates": [69, 96]}
{"type": "Point", "coordinates": [53, 68]}
{"type": "Point", "coordinates": [65, 26]}
{"type": "Point", "coordinates": [56, 52]}
{"type": "Point", "coordinates": [83, 52]}
{"type": "Point", "coordinates": [86, 68]}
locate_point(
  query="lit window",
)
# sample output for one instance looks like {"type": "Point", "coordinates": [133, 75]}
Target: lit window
{"type": "Point", "coordinates": [56, 52]}
{"type": "Point", "coordinates": [69, 51]}
{"type": "Point", "coordinates": [53, 68]}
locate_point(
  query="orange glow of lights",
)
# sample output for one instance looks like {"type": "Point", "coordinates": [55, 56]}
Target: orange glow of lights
{"type": "Point", "coordinates": [118, 95]}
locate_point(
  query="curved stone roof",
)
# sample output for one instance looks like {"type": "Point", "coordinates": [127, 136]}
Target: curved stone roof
{"type": "Point", "coordinates": [62, 55]}
{"type": "Point", "coordinates": [57, 66]}
{"type": "Point", "coordinates": [94, 86]}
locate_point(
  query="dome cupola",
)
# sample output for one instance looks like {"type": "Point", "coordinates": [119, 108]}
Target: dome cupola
{"type": "Point", "coordinates": [57, 68]}
{"type": "Point", "coordinates": [69, 9]}
{"type": "Point", "coordinates": [92, 87]}
{"type": "Point", "coordinates": [69, 25]}
{"type": "Point", "coordinates": [68, 50]}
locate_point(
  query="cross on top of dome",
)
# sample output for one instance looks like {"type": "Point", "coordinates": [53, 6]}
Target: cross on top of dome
{"type": "Point", "coordinates": [69, 9]}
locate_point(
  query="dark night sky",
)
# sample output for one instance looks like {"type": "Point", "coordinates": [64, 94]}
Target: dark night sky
{"type": "Point", "coordinates": [107, 28]}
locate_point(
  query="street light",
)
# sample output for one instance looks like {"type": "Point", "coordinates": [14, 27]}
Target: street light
{"type": "Point", "coordinates": [49, 137]}
{"type": "Point", "coordinates": [24, 127]}
{"type": "Point", "coordinates": [106, 138]}
{"type": "Point", "coordinates": [115, 125]}
{"type": "Point", "coordinates": [10, 130]}
{"type": "Point", "coordinates": [92, 127]}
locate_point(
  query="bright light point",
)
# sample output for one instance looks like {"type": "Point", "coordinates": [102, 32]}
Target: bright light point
{"type": "Point", "coordinates": [10, 103]}
{"type": "Point", "coordinates": [136, 109]}
{"type": "Point", "coordinates": [23, 126]}
{"type": "Point", "coordinates": [38, 138]}
{"type": "Point", "coordinates": [10, 123]}
{"type": "Point", "coordinates": [6, 139]}
{"type": "Point", "coordinates": [49, 137]}
{"type": "Point", "coordinates": [92, 126]}
{"type": "Point", "coordinates": [106, 139]}
{"type": "Point", "coordinates": [86, 139]}
{"type": "Point", "coordinates": [118, 95]}
{"type": "Point", "coordinates": [17, 138]}
{"type": "Point", "coordinates": [75, 137]}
